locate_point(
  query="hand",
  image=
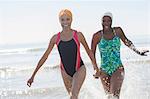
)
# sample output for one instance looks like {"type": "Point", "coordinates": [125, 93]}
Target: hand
{"type": "Point", "coordinates": [30, 81]}
{"type": "Point", "coordinates": [143, 53]}
{"type": "Point", "coordinates": [97, 74]}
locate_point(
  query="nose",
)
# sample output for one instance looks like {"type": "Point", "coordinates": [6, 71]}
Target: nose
{"type": "Point", "coordinates": [106, 23]}
{"type": "Point", "coordinates": [65, 22]}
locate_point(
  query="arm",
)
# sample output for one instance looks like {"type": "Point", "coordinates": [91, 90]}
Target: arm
{"type": "Point", "coordinates": [89, 52]}
{"type": "Point", "coordinates": [43, 59]}
{"type": "Point", "coordinates": [95, 40]}
{"type": "Point", "coordinates": [128, 43]}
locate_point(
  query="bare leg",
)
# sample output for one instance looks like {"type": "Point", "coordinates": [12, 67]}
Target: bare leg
{"type": "Point", "coordinates": [67, 81]}
{"type": "Point", "coordinates": [105, 79]}
{"type": "Point", "coordinates": [77, 82]}
{"type": "Point", "coordinates": [116, 82]}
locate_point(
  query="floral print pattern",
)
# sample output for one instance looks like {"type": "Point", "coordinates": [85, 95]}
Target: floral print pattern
{"type": "Point", "coordinates": [110, 54]}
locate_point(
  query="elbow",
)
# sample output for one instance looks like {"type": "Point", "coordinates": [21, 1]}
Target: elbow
{"type": "Point", "coordinates": [91, 54]}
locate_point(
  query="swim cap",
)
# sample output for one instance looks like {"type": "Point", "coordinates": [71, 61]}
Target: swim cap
{"type": "Point", "coordinates": [65, 11]}
{"type": "Point", "coordinates": [108, 14]}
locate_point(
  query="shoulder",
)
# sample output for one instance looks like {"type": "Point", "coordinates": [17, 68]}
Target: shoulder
{"type": "Point", "coordinates": [54, 38]}
{"type": "Point", "coordinates": [97, 36]}
{"type": "Point", "coordinates": [118, 31]}
{"type": "Point", "coordinates": [117, 28]}
{"type": "Point", "coordinates": [80, 34]}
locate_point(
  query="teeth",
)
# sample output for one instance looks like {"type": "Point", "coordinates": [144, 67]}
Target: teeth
{"type": "Point", "coordinates": [66, 25]}
{"type": "Point", "coordinates": [106, 26]}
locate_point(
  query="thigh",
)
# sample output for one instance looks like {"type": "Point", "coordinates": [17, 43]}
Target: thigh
{"type": "Point", "coordinates": [67, 81]}
{"type": "Point", "coordinates": [78, 80]}
{"type": "Point", "coordinates": [105, 79]}
{"type": "Point", "coordinates": [116, 81]}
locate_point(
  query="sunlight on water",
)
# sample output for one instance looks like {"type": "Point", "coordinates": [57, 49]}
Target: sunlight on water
{"type": "Point", "coordinates": [17, 66]}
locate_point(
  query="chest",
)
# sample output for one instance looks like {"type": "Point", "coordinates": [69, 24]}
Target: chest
{"type": "Point", "coordinates": [109, 44]}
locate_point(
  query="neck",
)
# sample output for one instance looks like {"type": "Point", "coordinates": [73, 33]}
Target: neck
{"type": "Point", "coordinates": [66, 30]}
{"type": "Point", "coordinates": [107, 30]}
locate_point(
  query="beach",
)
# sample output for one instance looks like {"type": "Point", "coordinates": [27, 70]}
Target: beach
{"type": "Point", "coordinates": [18, 64]}
{"type": "Point", "coordinates": [26, 27]}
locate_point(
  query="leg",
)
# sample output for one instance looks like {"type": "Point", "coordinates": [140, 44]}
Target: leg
{"type": "Point", "coordinates": [105, 79]}
{"type": "Point", "coordinates": [77, 82]}
{"type": "Point", "coordinates": [67, 81]}
{"type": "Point", "coordinates": [116, 82]}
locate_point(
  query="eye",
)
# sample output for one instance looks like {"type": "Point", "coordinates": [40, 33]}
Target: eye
{"type": "Point", "coordinates": [108, 20]}
{"type": "Point", "coordinates": [62, 19]}
{"type": "Point", "coordinates": [68, 19]}
{"type": "Point", "coordinates": [104, 20]}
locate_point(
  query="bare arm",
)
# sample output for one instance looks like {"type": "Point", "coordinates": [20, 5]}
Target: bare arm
{"type": "Point", "coordinates": [95, 41]}
{"type": "Point", "coordinates": [43, 59]}
{"type": "Point", "coordinates": [128, 43]}
{"type": "Point", "coordinates": [89, 52]}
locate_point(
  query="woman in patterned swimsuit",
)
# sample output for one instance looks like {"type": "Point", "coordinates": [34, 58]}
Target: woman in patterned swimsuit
{"type": "Point", "coordinates": [108, 41]}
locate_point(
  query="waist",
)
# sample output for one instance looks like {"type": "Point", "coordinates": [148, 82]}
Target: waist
{"type": "Point", "coordinates": [115, 61]}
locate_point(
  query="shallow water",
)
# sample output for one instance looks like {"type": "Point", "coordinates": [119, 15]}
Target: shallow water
{"type": "Point", "coordinates": [16, 66]}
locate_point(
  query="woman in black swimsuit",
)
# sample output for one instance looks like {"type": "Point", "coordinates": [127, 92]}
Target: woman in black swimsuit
{"type": "Point", "coordinates": [68, 43]}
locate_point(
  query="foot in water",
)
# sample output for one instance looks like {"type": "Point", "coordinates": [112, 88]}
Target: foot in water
{"type": "Point", "coordinates": [110, 96]}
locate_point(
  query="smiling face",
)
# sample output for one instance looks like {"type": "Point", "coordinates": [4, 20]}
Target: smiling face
{"type": "Point", "coordinates": [106, 22]}
{"type": "Point", "coordinates": [65, 20]}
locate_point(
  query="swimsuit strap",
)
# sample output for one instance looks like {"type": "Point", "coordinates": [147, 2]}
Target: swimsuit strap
{"type": "Point", "coordinates": [114, 32]}
{"type": "Point", "coordinates": [102, 33]}
{"type": "Point", "coordinates": [75, 37]}
{"type": "Point", "coordinates": [58, 38]}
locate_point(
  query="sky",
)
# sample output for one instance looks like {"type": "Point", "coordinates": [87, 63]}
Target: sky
{"type": "Point", "coordinates": [35, 21]}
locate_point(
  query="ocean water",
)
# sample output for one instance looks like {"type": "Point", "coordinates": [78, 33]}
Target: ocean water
{"type": "Point", "coordinates": [17, 63]}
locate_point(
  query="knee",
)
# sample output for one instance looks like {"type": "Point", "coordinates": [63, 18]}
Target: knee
{"type": "Point", "coordinates": [111, 96]}
{"type": "Point", "coordinates": [115, 93]}
{"type": "Point", "coordinates": [73, 95]}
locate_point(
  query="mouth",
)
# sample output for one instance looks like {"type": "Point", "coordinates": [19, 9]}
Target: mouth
{"type": "Point", "coordinates": [106, 27]}
{"type": "Point", "coordinates": [66, 25]}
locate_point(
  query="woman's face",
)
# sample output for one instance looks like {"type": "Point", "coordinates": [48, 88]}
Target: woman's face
{"type": "Point", "coordinates": [106, 22]}
{"type": "Point", "coordinates": [65, 20]}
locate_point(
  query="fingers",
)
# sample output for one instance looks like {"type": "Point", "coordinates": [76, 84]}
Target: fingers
{"type": "Point", "coordinates": [144, 53]}
{"type": "Point", "coordinates": [95, 76]}
{"type": "Point", "coordinates": [147, 51]}
{"type": "Point", "coordinates": [29, 84]}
